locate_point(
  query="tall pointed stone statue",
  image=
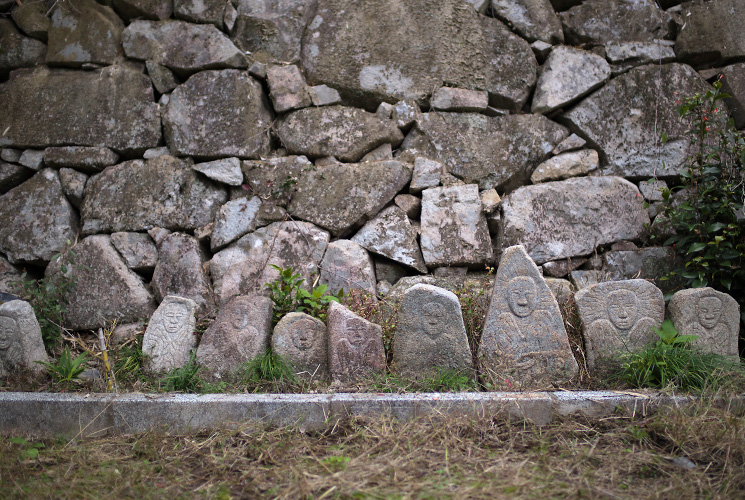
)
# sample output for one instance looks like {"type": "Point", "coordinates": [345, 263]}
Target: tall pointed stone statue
{"type": "Point", "coordinates": [21, 344]}
{"type": "Point", "coordinates": [524, 344]}
{"type": "Point", "coordinates": [169, 337]}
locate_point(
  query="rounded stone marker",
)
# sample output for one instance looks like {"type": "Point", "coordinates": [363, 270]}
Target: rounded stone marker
{"type": "Point", "coordinates": [302, 341]}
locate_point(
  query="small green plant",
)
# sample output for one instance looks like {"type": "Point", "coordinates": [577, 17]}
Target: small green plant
{"type": "Point", "coordinates": [267, 367]}
{"type": "Point", "coordinates": [448, 379]}
{"type": "Point", "coordinates": [48, 297]}
{"type": "Point", "coordinates": [288, 296]}
{"type": "Point", "coordinates": [65, 370]}
{"type": "Point", "coordinates": [336, 462]}
{"type": "Point", "coordinates": [186, 378]}
{"type": "Point", "coordinates": [28, 451]}
{"type": "Point", "coordinates": [129, 359]}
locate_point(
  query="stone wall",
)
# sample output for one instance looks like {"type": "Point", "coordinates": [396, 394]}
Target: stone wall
{"type": "Point", "coordinates": [184, 147]}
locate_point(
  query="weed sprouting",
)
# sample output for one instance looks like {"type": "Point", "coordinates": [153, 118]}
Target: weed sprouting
{"type": "Point", "coordinates": [186, 378]}
{"type": "Point", "coordinates": [66, 369]}
{"type": "Point", "coordinates": [288, 296]}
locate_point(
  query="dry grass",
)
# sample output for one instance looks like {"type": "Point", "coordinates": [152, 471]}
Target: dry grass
{"type": "Point", "coordinates": [446, 458]}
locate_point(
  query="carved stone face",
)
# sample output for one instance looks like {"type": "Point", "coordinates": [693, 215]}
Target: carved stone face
{"type": "Point", "coordinates": [622, 309]}
{"type": "Point", "coordinates": [173, 317]}
{"type": "Point", "coordinates": [7, 332]}
{"type": "Point", "coordinates": [356, 332]}
{"type": "Point", "coordinates": [522, 296]}
{"type": "Point", "coordinates": [433, 317]}
{"type": "Point", "coordinates": [238, 319]}
{"type": "Point", "coordinates": [304, 335]}
{"type": "Point", "coordinates": [709, 310]}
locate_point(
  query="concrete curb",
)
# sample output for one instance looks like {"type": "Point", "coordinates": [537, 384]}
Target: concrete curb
{"type": "Point", "coordinates": [73, 415]}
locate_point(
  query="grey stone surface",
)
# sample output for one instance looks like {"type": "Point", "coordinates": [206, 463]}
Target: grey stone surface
{"type": "Point", "coordinates": [196, 114]}
{"type": "Point", "coordinates": [163, 78]}
{"type": "Point", "coordinates": [10, 277]}
{"type": "Point", "coordinates": [73, 185]}
{"type": "Point", "coordinates": [711, 315]}
{"type": "Point", "coordinates": [347, 266]}
{"type": "Point", "coordinates": [599, 21]}
{"type": "Point", "coordinates": [156, 152]}
{"type": "Point", "coordinates": [19, 51]}
{"type": "Point", "coordinates": [105, 288]}
{"type": "Point", "coordinates": [302, 340]}
{"type": "Point", "coordinates": [36, 220]}
{"type": "Point", "coordinates": [32, 158]}
{"type": "Point", "coordinates": [582, 278]}
{"type": "Point", "coordinates": [410, 204]}
{"type": "Point", "coordinates": [426, 174]}
{"type": "Point", "coordinates": [21, 344]}
{"type": "Point", "coordinates": [181, 271]}
{"type": "Point", "coordinates": [625, 123]}
{"type": "Point", "coordinates": [565, 165]}
{"type": "Point", "coordinates": [496, 152]}
{"type": "Point", "coordinates": [12, 175]}
{"type": "Point", "coordinates": [83, 31]}
{"type": "Point", "coordinates": [31, 18]}
{"type": "Point", "coordinates": [638, 53]}
{"type": "Point", "coordinates": [618, 317]}
{"type": "Point", "coordinates": [454, 230]}
{"type": "Point", "coordinates": [405, 113]}
{"type": "Point", "coordinates": [137, 249]}
{"type": "Point", "coordinates": [532, 19]}
{"type": "Point", "coordinates": [139, 195]}
{"type": "Point", "coordinates": [431, 335]}
{"type": "Point", "coordinates": [490, 200]}
{"type": "Point", "coordinates": [147, 9]}
{"type": "Point", "coordinates": [287, 88]}
{"type": "Point", "coordinates": [226, 170]}
{"type": "Point", "coordinates": [323, 95]}
{"type": "Point", "coordinates": [10, 155]}
{"type": "Point", "coordinates": [382, 152]}
{"type": "Point", "coordinates": [712, 33]}
{"type": "Point", "coordinates": [562, 289]}
{"type": "Point", "coordinates": [652, 189]}
{"type": "Point", "coordinates": [585, 212]}
{"type": "Point", "coordinates": [235, 218]}
{"type": "Point", "coordinates": [112, 108]}
{"type": "Point", "coordinates": [169, 337]}
{"type": "Point", "coordinates": [163, 42]}
{"type": "Point", "coordinates": [355, 345]}
{"type": "Point", "coordinates": [231, 15]}
{"type": "Point", "coordinates": [568, 74]}
{"type": "Point", "coordinates": [369, 62]}
{"type": "Point", "coordinates": [453, 99]}
{"type": "Point", "coordinates": [245, 266]}
{"type": "Point", "coordinates": [239, 333]}
{"type": "Point", "coordinates": [389, 271]}
{"type": "Point", "coordinates": [275, 178]}
{"type": "Point", "coordinates": [86, 159]}
{"type": "Point", "coordinates": [733, 83]}
{"type": "Point", "coordinates": [391, 235]}
{"type": "Point", "coordinates": [524, 339]}
{"type": "Point", "coordinates": [649, 263]}
{"type": "Point", "coordinates": [343, 132]}
{"type": "Point", "coordinates": [200, 11]}
{"type": "Point", "coordinates": [571, 143]}
{"type": "Point", "coordinates": [561, 268]}
{"type": "Point", "coordinates": [342, 197]}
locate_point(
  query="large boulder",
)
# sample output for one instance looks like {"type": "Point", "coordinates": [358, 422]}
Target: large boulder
{"type": "Point", "coordinates": [571, 218]}
{"type": "Point", "coordinates": [389, 50]}
{"type": "Point", "coordinates": [347, 266]}
{"type": "Point", "coordinates": [624, 120]}
{"type": "Point", "coordinates": [200, 11]}
{"type": "Point", "coordinates": [712, 32]}
{"type": "Point", "coordinates": [338, 131]}
{"type": "Point", "coordinates": [31, 18]}
{"type": "Point", "coordinates": [196, 117]}
{"type": "Point", "coordinates": [531, 19]}
{"type": "Point", "coordinates": [341, 197]}
{"type": "Point", "coordinates": [144, 9]}
{"type": "Point", "coordinates": [36, 220]}
{"type": "Point", "coordinates": [139, 195]}
{"type": "Point", "coordinates": [18, 51]}
{"type": "Point", "coordinates": [733, 83]}
{"type": "Point", "coordinates": [496, 152]}
{"type": "Point", "coordinates": [112, 107]}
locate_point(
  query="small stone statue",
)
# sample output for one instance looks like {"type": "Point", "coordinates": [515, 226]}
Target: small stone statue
{"type": "Point", "coordinates": [712, 316]}
{"type": "Point", "coordinates": [21, 344]}
{"type": "Point", "coordinates": [170, 334]}
{"type": "Point", "coordinates": [355, 345]}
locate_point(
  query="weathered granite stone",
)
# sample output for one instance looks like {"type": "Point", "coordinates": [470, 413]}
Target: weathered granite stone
{"type": "Point", "coordinates": [624, 122]}
{"type": "Point", "coordinates": [21, 344]}
{"type": "Point", "coordinates": [230, 16]}
{"type": "Point", "coordinates": [712, 316]}
{"type": "Point", "coordinates": [163, 78]}
{"type": "Point", "coordinates": [245, 266]}
{"type": "Point", "coordinates": [382, 152]}
{"type": "Point", "coordinates": [346, 133]}
{"type": "Point", "coordinates": [585, 212]}
{"type": "Point", "coordinates": [239, 334]}
{"type": "Point", "coordinates": [31, 18]}
{"type": "Point", "coordinates": [565, 165]}
{"type": "Point", "coordinates": [19, 51]}
{"type": "Point", "coordinates": [568, 74]}
{"type": "Point", "coordinates": [454, 230]}
{"type": "Point", "coordinates": [480, 5]}
{"type": "Point", "coordinates": [10, 277]}
{"type": "Point", "coordinates": [275, 178]}
{"type": "Point", "coordinates": [561, 268]}
{"type": "Point", "coordinates": [524, 339]}
{"type": "Point", "coordinates": [235, 218]}
{"type": "Point", "coordinates": [618, 317]}
{"type": "Point", "coordinates": [112, 108]}
{"type": "Point", "coordinates": [147, 9]}
{"type": "Point", "coordinates": [733, 83]}
{"type": "Point", "coordinates": [712, 33]}
{"type": "Point", "coordinates": [32, 158]}
{"type": "Point", "coordinates": [12, 175]}
{"type": "Point", "coordinates": [200, 11]}
{"type": "Point", "coordinates": [226, 170]}
{"type": "Point", "coordinates": [496, 152]}
{"type": "Point", "coordinates": [600, 21]}
{"type": "Point", "coordinates": [137, 249]}
{"type": "Point", "coordinates": [10, 155]}
{"type": "Point", "coordinates": [195, 117]}
{"type": "Point", "coordinates": [389, 271]}
{"type": "Point", "coordinates": [369, 62]}
{"type": "Point", "coordinates": [426, 174]}
{"type": "Point", "coordinates": [490, 200]}
{"type": "Point", "coordinates": [257, 70]}
{"type": "Point", "coordinates": [584, 278]}
{"type": "Point", "coordinates": [385, 110]}
{"type": "Point", "coordinates": [630, 54]}
{"type": "Point", "coordinates": [342, 197]}
{"type": "Point", "coordinates": [169, 337]}
{"type": "Point", "coordinates": [36, 220]}
{"type": "Point", "coordinates": [355, 345]}
{"type": "Point", "coordinates": [83, 32]}
{"type": "Point", "coordinates": [391, 235]}
{"type": "Point", "coordinates": [85, 159]}
{"type": "Point", "coordinates": [410, 204]}
{"type": "Point", "coordinates": [562, 289]}
{"type": "Point", "coordinates": [105, 288]}
{"type": "Point", "coordinates": [139, 195]}
{"type": "Point", "coordinates": [405, 113]}
{"type": "Point", "coordinates": [163, 42]}
{"type": "Point", "coordinates": [302, 341]}
{"type": "Point", "coordinates": [323, 95]}
{"type": "Point", "coordinates": [287, 88]}
{"type": "Point", "coordinates": [156, 152]}
{"type": "Point", "coordinates": [532, 19]}
{"type": "Point", "coordinates": [571, 143]}
{"type": "Point", "coordinates": [651, 263]}
{"type": "Point", "coordinates": [448, 272]}
{"type": "Point", "coordinates": [541, 50]}
{"type": "Point", "coordinates": [73, 185]}
{"type": "Point", "coordinates": [431, 335]}
{"type": "Point", "coordinates": [652, 189]}
{"type": "Point", "coordinates": [452, 99]}
{"type": "Point", "coordinates": [347, 266]}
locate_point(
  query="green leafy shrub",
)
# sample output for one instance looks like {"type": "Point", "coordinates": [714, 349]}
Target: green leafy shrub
{"type": "Point", "coordinates": [267, 367]}
{"type": "Point", "coordinates": [288, 296]}
{"type": "Point", "coordinates": [186, 378]}
{"type": "Point", "coordinates": [48, 298]}
{"type": "Point", "coordinates": [65, 369]}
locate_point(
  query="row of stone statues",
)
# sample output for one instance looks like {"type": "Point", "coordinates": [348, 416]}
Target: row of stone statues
{"type": "Point", "coordinates": [524, 339]}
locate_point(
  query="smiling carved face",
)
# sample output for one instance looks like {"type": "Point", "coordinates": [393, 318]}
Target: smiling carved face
{"type": "Point", "coordinates": [7, 331]}
{"type": "Point", "coordinates": [622, 309]}
{"type": "Point", "coordinates": [709, 310]}
{"type": "Point", "coordinates": [173, 317]}
{"type": "Point", "coordinates": [522, 296]}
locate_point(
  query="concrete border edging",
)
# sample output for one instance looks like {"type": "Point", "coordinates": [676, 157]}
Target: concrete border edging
{"type": "Point", "coordinates": [82, 415]}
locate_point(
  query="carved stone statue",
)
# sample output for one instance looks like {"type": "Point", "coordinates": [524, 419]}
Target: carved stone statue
{"type": "Point", "coordinates": [21, 344]}
{"type": "Point", "coordinates": [170, 337]}
{"type": "Point", "coordinates": [355, 345]}
{"type": "Point", "coordinates": [712, 316]}
{"type": "Point", "coordinates": [301, 339]}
